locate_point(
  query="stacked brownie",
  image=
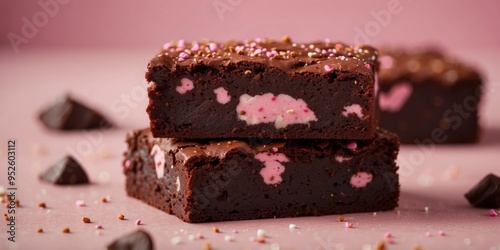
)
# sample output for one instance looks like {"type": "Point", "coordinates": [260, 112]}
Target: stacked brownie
{"type": "Point", "coordinates": [427, 96]}
{"type": "Point", "coordinates": [261, 129]}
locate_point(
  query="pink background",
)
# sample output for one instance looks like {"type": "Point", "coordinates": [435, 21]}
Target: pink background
{"type": "Point", "coordinates": [128, 24]}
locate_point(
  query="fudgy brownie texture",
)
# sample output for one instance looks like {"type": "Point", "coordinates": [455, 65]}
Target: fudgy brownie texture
{"type": "Point", "coordinates": [428, 97]}
{"type": "Point", "coordinates": [262, 88]}
{"type": "Point", "coordinates": [202, 180]}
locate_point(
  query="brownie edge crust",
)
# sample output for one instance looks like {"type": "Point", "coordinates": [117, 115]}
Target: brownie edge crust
{"type": "Point", "coordinates": [202, 181]}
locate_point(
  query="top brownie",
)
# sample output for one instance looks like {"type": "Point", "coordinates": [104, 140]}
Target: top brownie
{"type": "Point", "coordinates": [263, 88]}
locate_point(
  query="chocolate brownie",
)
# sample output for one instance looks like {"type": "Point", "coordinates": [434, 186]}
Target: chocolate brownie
{"type": "Point", "coordinates": [262, 88]}
{"type": "Point", "coordinates": [204, 180]}
{"type": "Point", "coordinates": [427, 97]}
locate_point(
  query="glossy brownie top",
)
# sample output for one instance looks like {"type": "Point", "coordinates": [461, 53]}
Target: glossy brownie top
{"type": "Point", "coordinates": [423, 64]}
{"type": "Point", "coordinates": [317, 57]}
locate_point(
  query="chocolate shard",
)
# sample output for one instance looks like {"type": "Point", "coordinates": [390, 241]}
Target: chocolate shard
{"type": "Point", "coordinates": [138, 240]}
{"type": "Point", "coordinates": [66, 171]}
{"type": "Point", "coordinates": [486, 193]}
{"type": "Point", "coordinates": [69, 114]}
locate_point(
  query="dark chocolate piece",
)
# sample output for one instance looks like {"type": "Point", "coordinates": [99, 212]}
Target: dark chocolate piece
{"type": "Point", "coordinates": [264, 89]}
{"type": "Point", "coordinates": [486, 193]}
{"type": "Point", "coordinates": [138, 240]}
{"type": "Point", "coordinates": [203, 180]}
{"type": "Point", "coordinates": [66, 171]}
{"type": "Point", "coordinates": [428, 97]}
{"type": "Point", "coordinates": [69, 114]}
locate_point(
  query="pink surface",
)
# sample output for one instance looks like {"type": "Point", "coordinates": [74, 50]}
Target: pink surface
{"type": "Point", "coordinates": [115, 23]}
{"type": "Point", "coordinates": [112, 80]}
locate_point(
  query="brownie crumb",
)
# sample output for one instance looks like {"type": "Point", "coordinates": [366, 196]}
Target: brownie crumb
{"type": "Point", "coordinates": [380, 246]}
{"type": "Point", "coordinates": [416, 247]}
{"type": "Point", "coordinates": [42, 205]}
{"type": "Point", "coordinates": [286, 39]}
{"type": "Point", "coordinates": [104, 200]}
{"type": "Point", "coordinates": [18, 203]}
{"type": "Point", "coordinates": [121, 217]}
{"type": "Point", "coordinates": [39, 230]}
{"type": "Point", "coordinates": [66, 230]}
{"type": "Point", "coordinates": [341, 218]}
{"type": "Point", "coordinates": [6, 217]}
{"type": "Point", "coordinates": [86, 220]}
{"type": "Point", "coordinates": [207, 246]}
{"type": "Point", "coordinates": [216, 230]}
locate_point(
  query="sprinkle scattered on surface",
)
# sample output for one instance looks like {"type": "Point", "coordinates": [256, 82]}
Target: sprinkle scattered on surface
{"type": "Point", "coordinates": [216, 230]}
{"type": "Point", "coordinates": [380, 246]}
{"type": "Point", "coordinates": [428, 234]}
{"type": "Point", "coordinates": [493, 213]}
{"type": "Point", "coordinates": [41, 204]}
{"type": "Point", "coordinates": [228, 238]}
{"type": "Point", "coordinates": [191, 237]}
{"type": "Point", "coordinates": [200, 236]}
{"type": "Point", "coordinates": [104, 200]}
{"type": "Point", "coordinates": [388, 235]}
{"type": "Point", "coordinates": [121, 216]}
{"type": "Point", "coordinates": [348, 224]}
{"type": "Point", "coordinates": [207, 246]}
{"type": "Point", "coordinates": [98, 226]}
{"type": "Point", "coordinates": [261, 233]}
{"type": "Point", "coordinates": [260, 240]}
{"type": "Point", "coordinates": [176, 240]}
{"type": "Point", "coordinates": [426, 209]}
{"type": "Point", "coordinates": [86, 220]}
{"type": "Point", "coordinates": [39, 230]}
{"type": "Point", "coordinates": [80, 203]}
{"type": "Point", "coordinates": [66, 230]}
{"type": "Point", "coordinates": [341, 218]}
{"type": "Point", "coordinates": [292, 226]}
{"type": "Point", "coordinates": [441, 233]}
{"type": "Point", "coordinates": [138, 222]}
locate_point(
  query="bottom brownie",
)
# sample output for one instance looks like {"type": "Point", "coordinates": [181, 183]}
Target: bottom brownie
{"type": "Point", "coordinates": [200, 181]}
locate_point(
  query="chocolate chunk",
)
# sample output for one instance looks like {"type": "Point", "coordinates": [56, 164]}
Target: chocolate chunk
{"type": "Point", "coordinates": [66, 171]}
{"type": "Point", "coordinates": [68, 114]}
{"type": "Point", "coordinates": [485, 194]}
{"type": "Point", "coordinates": [138, 240]}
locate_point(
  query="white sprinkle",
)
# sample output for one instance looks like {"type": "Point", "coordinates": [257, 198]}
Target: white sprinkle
{"type": "Point", "coordinates": [191, 237]}
{"type": "Point", "coordinates": [228, 238]}
{"type": "Point", "coordinates": [80, 203]}
{"type": "Point", "coordinates": [292, 226]}
{"type": "Point", "coordinates": [261, 233]}
{"type": "Point", "coordinates": [426, 209]}
{"type": "Point", "coordinates": [176, 240]}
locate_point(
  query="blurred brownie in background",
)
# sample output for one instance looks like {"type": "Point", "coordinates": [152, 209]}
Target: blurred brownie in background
{"type": "Point", "coordinates": [426, 96]}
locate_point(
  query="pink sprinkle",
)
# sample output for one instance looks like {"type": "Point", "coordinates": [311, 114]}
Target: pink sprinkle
{"type": "Point", "coordinates": [261, 109]}
{"type": "Point", "coordinates": [260, 240]}
{"type": "Point", "coordinates": [388, 235]}
{"type": "Point", "coordinates": [258, 39]}
{"type": "Point", "coordinates": [167, 46]}
{"type": "Point", "coordinates": [324, 52]}
{"type": "Point", "coordinates": [195, 47]}
{"type": "Point", "coordinates": [181, 43]}
{"type": "Point", "coordinates": [127, 164]}
{"type": "Point", "coordinates": [269, 54]}
{"type": "Point", "coordinates": [306, 110]}
{"type": "Point", "coordinates": [273, 98]}
{"type": "Point", "coordinates": [390, 240]}
{"type": "Point", "coordinates": [98, 226]}
{"type": "Point", "coordinates": [348, 225]}
{"type": "Point", "coordinates": [213, 46]}
{"type": "Point", "coordinates": [328, 68]}
{"type": "Point", "coordinates": [257, 51]}
{"type": "Point", "coordinates": [239, 48]}
{"type": "Point", "coordinates": [352, 145]}
{"type": "Point", "coordinates": [428, 234]}
{"type": "Point", "coordinates": [274, 52]}
{"type": "Point", "coordinates": [441, 233]}
{"type": "Point", "coordinates": [338, 46]}
{"type": "Point", "coordinates": [327, 40]}
{"type": "Point", "coordinates": [80, 203]}
{"type": "Point", "coordinates": [138, 222]}
{"type": "Point", "coordinates": [367, 66]}
{"type": "Point", "coordinates": [253, 45]}
{"type": "Point", "coordinates": [200, 236]}
{"type": "Point", "coordinates": [235, 231]}
{"type": "Point", "coordinates": [493, 213]}
{"type": "Point", "coordinates": [331, 55]}
{"type": "Point", "coordinates": [275, 149]}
